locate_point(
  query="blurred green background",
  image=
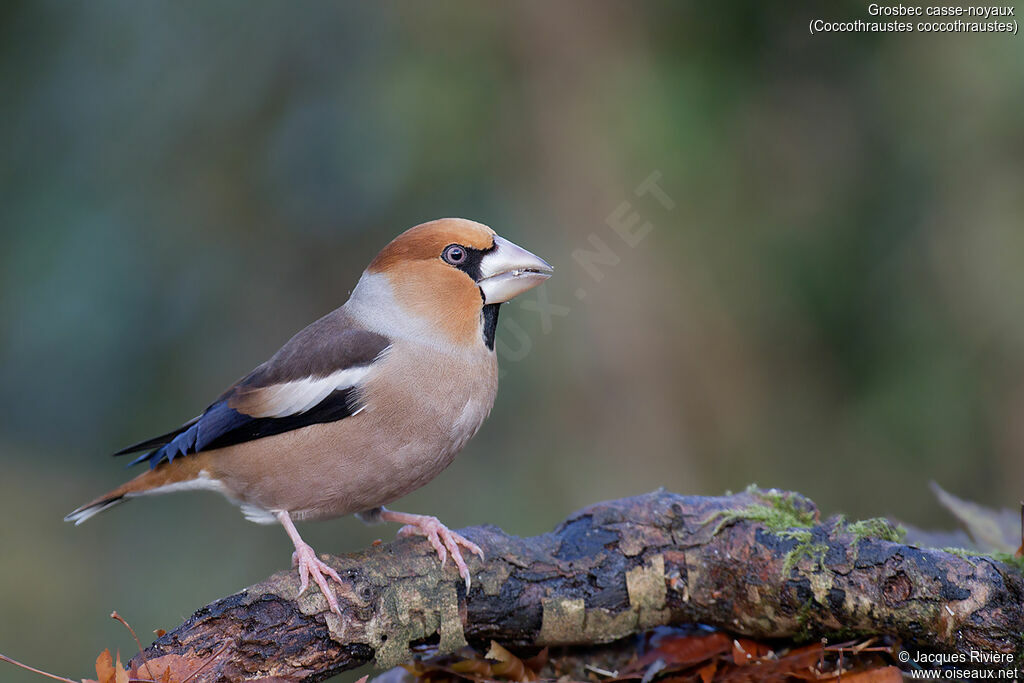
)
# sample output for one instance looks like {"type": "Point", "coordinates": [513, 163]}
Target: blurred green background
{"type": "Point", "coordinates": [833, 304]}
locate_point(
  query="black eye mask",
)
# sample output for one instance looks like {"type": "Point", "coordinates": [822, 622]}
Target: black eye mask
{"type": "Point", "coordinates": [474, 257]}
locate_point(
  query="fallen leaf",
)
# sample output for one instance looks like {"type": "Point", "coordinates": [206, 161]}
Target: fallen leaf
{"type": "Point", "coordinates": [509, 666]}
{"type": "Point", "coordinates": [537, 662]}
{"type": "Point", "coordinates": [707, 672]}
{"type": "Point", "coordinates": [498, 653]}
{"type": "Point", "coordinates": [105, 672]}
{"type": "Point", "coordinates": [173, 668]}
{"type": "Point", "coordinates": [746, 651]}
{"type": "Point", "coordinates": [680, 651]}
{"type": "Point", "coordinates": [992, 530]}
{"type": "Point", "coordinates": [120, 673]}
{"type": "Point", "coordinates": [477, 667]}
{"type": "Point", "coordinates": [799, 663]}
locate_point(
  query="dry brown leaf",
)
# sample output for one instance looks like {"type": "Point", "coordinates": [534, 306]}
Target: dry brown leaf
{"type": "Point", "coordinates": [498, 653]}
{"type": "Point", "coordinates": [799, 663]}
{"type": "Point", "coordinates": [537, 662]}
{"type": "Point", "coordinates": [992, 530]}
{"type": "Point", "coordinates": [707, 672]}
{"type": "Point", "coordinates": [120, 673]}
{"type": "Point", "coordinates": [685, 657]}
{"type": "Point", "coordinates": [680, 651]}
{"type": "Point", "coordinates": [467, 664]}
{"type": "Point", "coordinates": [476, 667]}
{"type": "Point", "coordinates": [173, 668]}
{"type": "Point", "coordinates": [509, 666]}
{"type": "Point", "coordinates": [105, 671]}
{"type": "Point", "coordinates": [746, 651]}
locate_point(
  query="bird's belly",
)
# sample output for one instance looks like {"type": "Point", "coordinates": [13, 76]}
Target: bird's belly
{"type": "Point", "coordinates": [387, 450]}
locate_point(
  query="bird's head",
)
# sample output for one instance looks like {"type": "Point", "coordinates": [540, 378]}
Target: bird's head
{"type": "Point", "coordinates": [443, 274]}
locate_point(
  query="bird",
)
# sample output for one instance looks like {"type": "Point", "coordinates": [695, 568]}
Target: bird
{"type": "Point", "coordinates": [361, 407]}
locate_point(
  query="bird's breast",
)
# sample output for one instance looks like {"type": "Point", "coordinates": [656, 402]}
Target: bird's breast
{"type": "Point", "coordinates": [429, 404]}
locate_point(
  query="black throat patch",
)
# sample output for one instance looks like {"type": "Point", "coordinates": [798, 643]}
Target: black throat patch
{"type": "Point", "coordinates": [472, 268]}
{"type": "Point", "coordinates": [490, 324]}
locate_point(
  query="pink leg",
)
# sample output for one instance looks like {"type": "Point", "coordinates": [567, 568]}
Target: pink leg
{"type": "Point", "coordinates": [441, 537]}
{"type": "Point", "coordinates": [309, 564]}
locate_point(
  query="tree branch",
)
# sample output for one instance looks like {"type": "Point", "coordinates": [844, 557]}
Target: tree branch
{"type": "Point", "coordinates": [759, 563]}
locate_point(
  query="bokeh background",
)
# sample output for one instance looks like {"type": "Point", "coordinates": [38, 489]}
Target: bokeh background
{"type": "Point", "coordinates": [828, 298]}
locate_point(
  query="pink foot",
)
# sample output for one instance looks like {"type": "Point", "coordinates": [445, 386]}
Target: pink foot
{"type": "Point", "coordinates": [310, 565]}
{"type": "Point", "coordinates": [443, 539]}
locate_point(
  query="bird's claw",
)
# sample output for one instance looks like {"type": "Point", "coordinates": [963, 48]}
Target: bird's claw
{"type": "Point", "coordinates": [309, 565]}
{"type": "Point", "coordinates": [445, 542]}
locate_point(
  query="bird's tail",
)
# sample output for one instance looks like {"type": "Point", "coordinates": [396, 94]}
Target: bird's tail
{"type": "Point", "coordinates": [97, 506]}
{"type": "Point", "coordinates": [182, 474]}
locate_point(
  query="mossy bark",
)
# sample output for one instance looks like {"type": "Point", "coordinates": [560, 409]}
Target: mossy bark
{"type": "Point", "coordinates": [610, 570]}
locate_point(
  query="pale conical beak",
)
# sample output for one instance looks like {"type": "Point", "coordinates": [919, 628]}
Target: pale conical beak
{"type": "Point", "coordinates": [509, 270]}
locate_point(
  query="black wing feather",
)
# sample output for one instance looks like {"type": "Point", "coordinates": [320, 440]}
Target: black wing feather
{"type": "Point", "coordinates": [222, 426]}
{"type": "Point", "coordinates": [156, 440]}
{"type": "Point", "coordinates": [332, 343]}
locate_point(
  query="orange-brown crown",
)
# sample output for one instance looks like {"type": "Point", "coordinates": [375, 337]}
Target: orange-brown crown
{"type": "Point", "coordinates": [428, 240]}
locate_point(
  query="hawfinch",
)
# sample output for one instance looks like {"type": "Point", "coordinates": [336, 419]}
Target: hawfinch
{"type": "Point", "coordinates": [363, 406]}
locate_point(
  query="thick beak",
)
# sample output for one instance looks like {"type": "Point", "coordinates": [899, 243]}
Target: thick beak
{"type": "Point", "coordinates": [509, 270]}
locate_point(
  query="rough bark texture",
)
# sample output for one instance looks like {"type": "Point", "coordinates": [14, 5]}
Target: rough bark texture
{"type": "Point", "coordinates": [759, 563]}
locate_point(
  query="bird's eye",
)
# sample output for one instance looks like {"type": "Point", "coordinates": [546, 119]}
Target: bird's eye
{"type": "Point", "coordinates": [454, 254]}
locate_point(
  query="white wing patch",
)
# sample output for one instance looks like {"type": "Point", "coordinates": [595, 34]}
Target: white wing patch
{"type": "Point", "coordinates": [294, 398]}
